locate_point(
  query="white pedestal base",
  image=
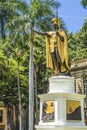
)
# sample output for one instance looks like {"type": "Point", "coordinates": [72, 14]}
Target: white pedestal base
{"type": "Point", "coordinates": [64, 103]}
{"type": "Point", "coordinates": [61, 127]}
{"type": "Point", "coordinates": [61, 84]}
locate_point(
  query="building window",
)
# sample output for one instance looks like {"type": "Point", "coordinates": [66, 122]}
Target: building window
{"type": "Point", "coordinates": [85, 86]}
{"type": "Point", "coordinates": [1, 116]}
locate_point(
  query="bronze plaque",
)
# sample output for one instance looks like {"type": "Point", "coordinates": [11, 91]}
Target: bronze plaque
{"type": "Point", "coordinates": [73, 110]}
{"type": "Point", "coordinates": [48, 111]}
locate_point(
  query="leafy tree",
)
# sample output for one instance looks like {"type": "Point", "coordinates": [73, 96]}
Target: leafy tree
{"type": "Point", "coordinates": [78, 43]}
{"type": "Point", "coordinates": [84, 3]}
{"type": "Point", "coordinates": [9, 10]}
{"type": "Point", "coordinates": [71, 46]}
{"type": "Point", "coordinates": [9, 75]}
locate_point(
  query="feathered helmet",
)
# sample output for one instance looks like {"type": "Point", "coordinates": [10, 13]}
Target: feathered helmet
{"type": "Point", "coordinates": [56, 21]}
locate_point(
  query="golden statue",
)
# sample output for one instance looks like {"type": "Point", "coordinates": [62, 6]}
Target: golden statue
{"type": "Point", "coordinates": [56, 48]}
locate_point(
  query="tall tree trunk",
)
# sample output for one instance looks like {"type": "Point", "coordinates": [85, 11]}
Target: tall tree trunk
{"type": "Point", "coordinates": [27, 118]}
{"type": "Point", "coordinates": [16, 118]}
{"type": "Point", "coordinates": [24, 118]}
{"type": "Point", "coordinates": [31, 85]}
{"type": "Point", "coordinates": [19, 94]}
{"type": "Point", "coordinates": [36, 98]}
{"type": "Point", "coordinates": [7, 117]}
{"type": "Point", "coordinates": [12, 117]}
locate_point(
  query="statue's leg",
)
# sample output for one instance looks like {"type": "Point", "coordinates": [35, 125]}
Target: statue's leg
{"type": "Point", "coordinates": [58, 66]}
{"type": "Point", "coordinates": [55, 63]}
{"type": "Point", "coordinates": [53, 58]}
{"type": "Point", "coordinates": [65, 66]}
{"type": "Point", "coordinates": [58, 61]}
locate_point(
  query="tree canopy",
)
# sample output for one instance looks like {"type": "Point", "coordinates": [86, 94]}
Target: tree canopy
{"type": "Point", "coordinates": [84, 3]}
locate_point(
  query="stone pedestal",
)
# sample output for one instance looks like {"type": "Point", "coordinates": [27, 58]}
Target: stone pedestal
{"type": "Point", "coordinates": [61, 84]}
{"type": "Point", "coordinates": [61, 108]}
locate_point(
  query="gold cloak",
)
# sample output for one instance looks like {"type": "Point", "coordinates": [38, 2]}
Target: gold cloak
{"type": "Point", "coordinates": [62, 50]}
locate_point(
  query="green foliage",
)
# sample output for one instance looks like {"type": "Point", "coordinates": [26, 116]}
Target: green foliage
{"type": "Point", "coordinates": [9, 10]}
{"type": "Point", "coordinates": [84, 3]}
{"type": "Point", "coordinates": [78, 43]}
{"type": "Point", "coordinates": [9, 74]}
{"type": "Point", "coordinates": [40, 62]}
{"type": "Point", "coordinates": [41, 12]}
{"type": "Point", "coordinates": [71, 46]}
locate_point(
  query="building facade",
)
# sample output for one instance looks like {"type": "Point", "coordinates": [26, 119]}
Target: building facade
{"type": "Point", "coordinates": [2, 118]}
{"type": "Point", "coordinates": [79, 72]}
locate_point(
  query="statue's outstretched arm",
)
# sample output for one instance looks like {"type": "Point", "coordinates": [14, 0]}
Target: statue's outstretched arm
{"type": "Point", "coordinates": [41, 33]}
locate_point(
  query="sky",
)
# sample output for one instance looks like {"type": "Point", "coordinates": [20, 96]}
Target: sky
{"type": "Point", "coordinates": [73, 14]}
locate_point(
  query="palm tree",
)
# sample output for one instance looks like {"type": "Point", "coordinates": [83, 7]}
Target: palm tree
{"type": "Point", "coordinates": [39, 12]}
{"type": "Point", "coordinates": [9, 10]}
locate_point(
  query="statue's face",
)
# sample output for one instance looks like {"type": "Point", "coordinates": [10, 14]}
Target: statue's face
{"type": "Point", "coordinates": [55, 26]}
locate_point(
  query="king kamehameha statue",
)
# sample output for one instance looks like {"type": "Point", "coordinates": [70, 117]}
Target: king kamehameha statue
{"type": "Point", "coordinates": [56, 49]}
{"type": "Point", "coordinates": [60, 108]}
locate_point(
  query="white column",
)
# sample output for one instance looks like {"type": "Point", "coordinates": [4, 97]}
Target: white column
{"type": "Point", "coordinates": [56, 111]}
{"type": "Point", "coordinates": [60, 111]}
{"type": "Point", "coordinates": [41, 111]}
{"type": "Point", "coordinates": [64, 110]}
{"type": "Point", "coordinates": [82, 111]}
